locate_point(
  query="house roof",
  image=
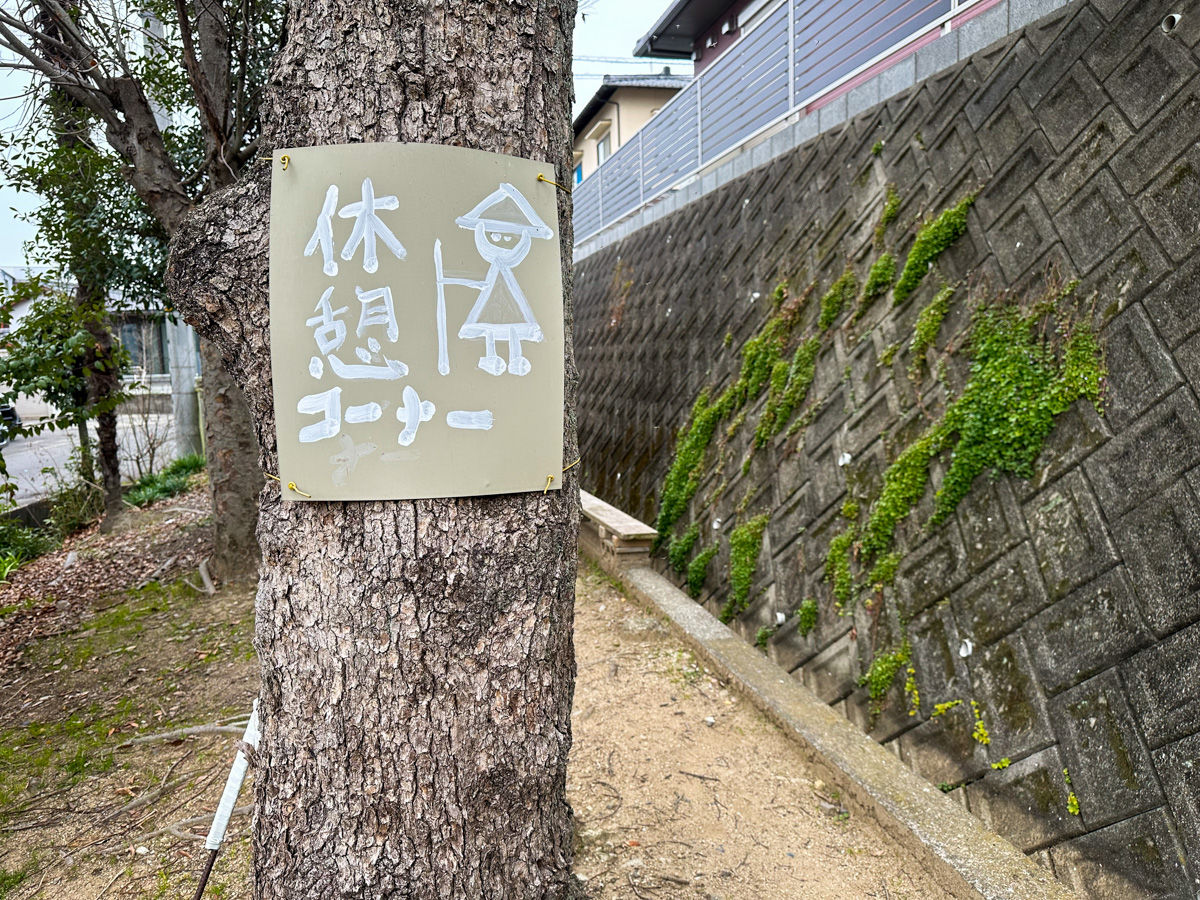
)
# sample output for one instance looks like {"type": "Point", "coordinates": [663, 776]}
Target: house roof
{"type": "Point", "coordinates": [677, 29]}
{"type": "Point", "coordinates": [611, 83]}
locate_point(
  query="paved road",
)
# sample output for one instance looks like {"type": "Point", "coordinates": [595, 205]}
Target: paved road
{"type": "Point", "coordinates": [28, 456]}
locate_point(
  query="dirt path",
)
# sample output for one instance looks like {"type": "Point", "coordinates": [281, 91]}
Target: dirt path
{"type": "Point", "coordinates": [683, 790]}
{"type": "Point", "coordinates": [680, 789]}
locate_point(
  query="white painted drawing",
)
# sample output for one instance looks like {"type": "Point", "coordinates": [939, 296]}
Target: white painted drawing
{"type": "Point", "coordinates": [323, 234]}
{"type": "Point", "coordinates": [365, 412]}
{"type": "Point", "coordinates": [346, 459]}
{"type": "Point", "coordinates": [504, 224]}
{"type": "Point", "coordinates": [368, 226]}
{"type": "Point", "coordinates": [328, 330]}
{"type": "Point", "coordinates": [327, 403]}
{"type": "Point", "coordinates": [391, 370]}
{"type": "Point", "coordinates": [470, 419]}
{"type": "Point", "coordinates": [377, 309]}
{"type": "Point", "coordinates": [412, 414]}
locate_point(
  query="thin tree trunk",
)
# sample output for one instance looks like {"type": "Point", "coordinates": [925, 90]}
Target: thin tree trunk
{"type": "Point", "coordinates": [234, 477]}
{"type": "Point", "coordinates": [103, 384]}
{"type": "Point", "coordinates": [416, 656]}
{"type": "Point", "coordinates": [87, 467]}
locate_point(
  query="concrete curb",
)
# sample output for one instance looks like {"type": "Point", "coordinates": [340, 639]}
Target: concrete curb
{"type": "Point", "coordinates": [967, 859]}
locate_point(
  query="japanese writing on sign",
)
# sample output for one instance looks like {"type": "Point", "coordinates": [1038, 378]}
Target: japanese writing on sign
{"type": "Point", "coordinates": [416, 323]}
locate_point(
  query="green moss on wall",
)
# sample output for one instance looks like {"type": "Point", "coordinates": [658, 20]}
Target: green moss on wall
{"type": "Point", "coordinates": [745, 545]}
{"type": "Point", "coordinates": [838, 571]}
{"type": "Point", "coordinates": [929, 323]}
{"type": "Point", "coordinates": [879, 279]}
{"type": "Point", "coordinates": [697, 570]}
{"type": "Point", "coordinates": [837, 298]}
{"type": "Point", "coordinates": [789, 388]}
{"type": "Point", "coordinates": [931, 241]}
{"type": "Point", "coordinates": [806, 616]}
{"type": "Point", "coordinates": [681, 546]}
{"type": "Point", "coordinates": [878, 679]}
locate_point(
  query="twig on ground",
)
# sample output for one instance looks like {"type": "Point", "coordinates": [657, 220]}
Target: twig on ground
{"type": "Point", "coordinates": [110, 884]}
{"type": "Point", "coordinates": [182, 733]}
{"type": "Point", "coordinates": [701, 777]}
{"type": "Point", "coordinates": [175, 829]}
{"type": "Point", "coordinates": [209, 587]}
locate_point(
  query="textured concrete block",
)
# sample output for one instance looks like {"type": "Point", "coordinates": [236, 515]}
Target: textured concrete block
{"type": "Point", "coordinates": [1021, 236]}
{"type": "Point", "coordinates": [1013, 179]}
{"type": "Point", "coordinates": [1010, 700]}
{"type": "Point", "coordinates": [1095, 221]}
{"type": "Point", "coordinates": [1169, 208]}
{"type": "Point", "coordinates": [941, 672]}
{"type": "Point", "coordinates": [1173, 127]}
{"type": "Point", "coordinates": [932, 571]}
{"type": "Point", "coordinates": [862, 97]}
{"type": "Point", "coordinates": [1003, 80]}
{"type": "Point", "coordinates": [1140, 857]}
{"type": "Point", "coordinates": [1080, 31]}
{"type": "Point", "coordinates": [1000, 598]}
{"type": "Point", "coordinates": [1083, 158]}
{"type": "Point", "coordinates": [1145, 371]}
{"type": "Point", "coordinates": [832, 113]}
{"type": "Point", "coordinates": [1131, 26]}
{"type": "Point", "coordinates": [1067, 107]}
{"type": "Point", "coordinates": [1069, 536]}
{"type": "Point", "coordinates": [833, 674]}
{"type": "Point", "coordinates": [937, 55]}
{"type": "Point", "coordinates": [1007, 129]}
{"type": "Point", "coordinates": [991, 521]}
{"type": "Point", "coordinates": [1157, 68]}
{"type": "Point", "coordinates": [1160, 543]}
{"type": "Point", "coordinates": [1027, 802]}
{"type": "Point", "coordinates": [983, 30]}
{"type": "Point", "coordinates": [1171, 304]}
{"type": "Point", "coordinates": [1179, 767]}
{"type": "Point", "coordinates": [1126, 274]}
{"type": "Point", "coordinates": [898, 77]}
{"type": "Point", "coordinates": [942, 750]}
{"type": "Point", "coordinates": [1022, 12]}
{"type": "Point", "coordinates": [1148, 455]}
{"type": "Point", "coordinates": [1111, 771]}
{"type": "Point", "coordinates": [1090, 630]}
{"type": "Point", "coordinates": [1161, 681]}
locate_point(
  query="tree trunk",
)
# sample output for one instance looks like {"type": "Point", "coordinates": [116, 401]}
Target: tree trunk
{"type": "Point", "coordinates": [103, 384]}
{"type": "Point", "coordinates": [417, 663]}
{"type": "Point", "coordinates": [234, 477]}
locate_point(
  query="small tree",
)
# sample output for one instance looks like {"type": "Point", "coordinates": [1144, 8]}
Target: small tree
{"type": "Point", "coordinates": [173, 88]}
{"type": "Point", "coordinates": [52, 353]}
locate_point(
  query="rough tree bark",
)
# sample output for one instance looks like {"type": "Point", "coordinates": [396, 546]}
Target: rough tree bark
{"type": "Point", "coordinates": [417, 664]}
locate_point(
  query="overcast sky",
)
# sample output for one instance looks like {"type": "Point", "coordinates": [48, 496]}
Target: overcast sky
{"type": "Point", "coordinates": [605, 34]}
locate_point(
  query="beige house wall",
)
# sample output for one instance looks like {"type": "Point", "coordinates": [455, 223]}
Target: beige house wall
{"type": "Point", "coordinates": [627, 111]}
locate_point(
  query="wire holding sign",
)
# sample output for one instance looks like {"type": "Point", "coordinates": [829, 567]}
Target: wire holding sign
{"type": "Point", "coordinates": [406, 396]}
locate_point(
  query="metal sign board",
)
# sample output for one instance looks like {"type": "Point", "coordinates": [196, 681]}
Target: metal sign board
{"type": "Point", "coordinates": [416, 322]}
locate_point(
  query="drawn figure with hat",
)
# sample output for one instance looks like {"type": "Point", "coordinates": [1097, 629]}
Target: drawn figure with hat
{"type": "Point", "coordinates": [505, 225]}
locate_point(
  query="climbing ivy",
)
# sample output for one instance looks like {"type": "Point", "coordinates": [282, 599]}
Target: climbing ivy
{"type": "Point", "coordinates": [806, 616]}
{"type": "Point", "coordinates": [879, 279]}
{"type": "Point", "coordinates": [759, 356]}
{"type": "Point", "coordinates": [789, 388]}
{"type": "Point", "coordinates": [697, 570]}
{"type": "Point", "coordinates": [745, 544]}
{"type": "Point", "coordinates": [891, 209]}
{"type": "Point", "coordinates": [931, 241]}
{"type": "Point", "coordinates": [881, 674]}
{"type": "Point", "coordinates": [680, 548]}
{"type": "Point", "coordinates": [929, 323]}
{"type": "Point", "coordinates": [839, 295]}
